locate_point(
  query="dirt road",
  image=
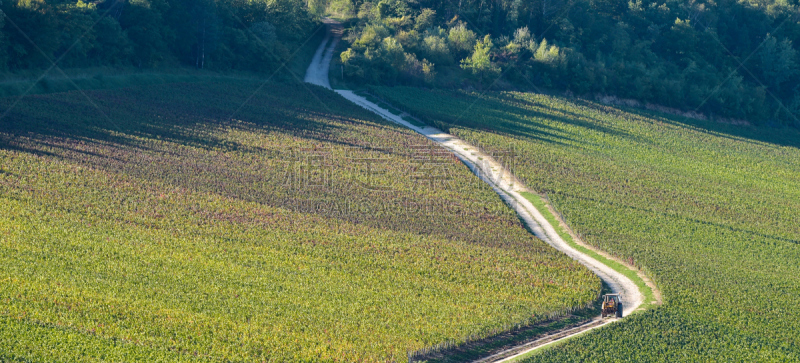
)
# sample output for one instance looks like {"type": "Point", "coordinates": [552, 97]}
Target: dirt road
{"type": "Point", "coordinates": [500, 179]}
{"type": "Point", "coordinates": [317, 72]}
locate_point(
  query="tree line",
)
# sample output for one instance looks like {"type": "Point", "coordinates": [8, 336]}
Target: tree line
{"type": "Point", "coordinates": [252, 35]}
{"type": "Point", "coordinates": [724, 58]}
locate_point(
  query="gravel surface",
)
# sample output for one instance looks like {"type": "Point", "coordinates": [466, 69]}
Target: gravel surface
{"type": "Point", "coordinates": [317, 72]}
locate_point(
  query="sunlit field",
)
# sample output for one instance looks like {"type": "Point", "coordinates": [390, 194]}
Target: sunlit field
{"type": "Point", "coordinates": [708, 210]}
{"type": "Point", "coordinates": [178, 222]}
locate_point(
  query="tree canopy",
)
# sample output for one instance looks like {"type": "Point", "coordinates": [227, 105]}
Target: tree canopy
{"type": "Point", "coordinates": [727, 59]}
{"type": "Point", "coordinates": [254, 35]}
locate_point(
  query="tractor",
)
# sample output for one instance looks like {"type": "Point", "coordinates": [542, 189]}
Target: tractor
{"type": "Point", "coordinates": [612, 306]}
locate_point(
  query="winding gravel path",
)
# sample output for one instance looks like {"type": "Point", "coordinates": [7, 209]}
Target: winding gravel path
{"type": "Point", "coordinates": [498, 177]}
{"type": "Point", "coordinates": [317, 72]}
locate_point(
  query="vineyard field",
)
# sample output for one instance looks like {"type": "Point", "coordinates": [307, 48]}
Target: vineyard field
{"type": "Point", "coordinates": [234, 221]}
{"type": "Point", "coordinates": [707, 210]}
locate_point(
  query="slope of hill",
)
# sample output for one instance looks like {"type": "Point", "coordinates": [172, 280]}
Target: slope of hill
{"type": "Point", "coordinates": [707, 209]}
{"type": "Point", "coordinates": [223, 221]}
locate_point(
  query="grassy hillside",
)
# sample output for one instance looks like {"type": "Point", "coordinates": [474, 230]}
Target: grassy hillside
{"type": "Point", "coordinates": [167, 223]}
{"type": "Point", "coordinates": [708, 210]}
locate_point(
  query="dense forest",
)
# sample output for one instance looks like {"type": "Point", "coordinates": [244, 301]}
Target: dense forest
{"type": "Point", "coordinates": [249, 35]}
{"type": "Point", "coordinates": [728, 59]}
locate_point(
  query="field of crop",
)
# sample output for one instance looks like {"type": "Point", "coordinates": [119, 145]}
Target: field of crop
{"type": "Point", "coordinates": [708, 210]}
{"type": "Point", "coordinates": [167, 223]}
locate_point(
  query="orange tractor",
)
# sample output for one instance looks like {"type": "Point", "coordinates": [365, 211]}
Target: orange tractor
{"type": "Point", "coordinates": [612, 306]}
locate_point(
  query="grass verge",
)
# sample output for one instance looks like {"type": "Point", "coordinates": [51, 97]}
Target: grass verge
{"type": "Point", "coordinates": [649, 298]}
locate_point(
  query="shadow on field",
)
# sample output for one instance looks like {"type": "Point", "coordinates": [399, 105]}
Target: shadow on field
{"type": "Point", "coordinates": [681, 217]}
{"type": "Point", "coordinates": [204, 138]}
{"type": "Point", "coordinates": [560, 114]}
{"type": "Point", "coordinates": [512, 116]}
{"type": "Point", "coordinates": [131, 116]}
{"type": "Point", "coordinates": [783, 136]}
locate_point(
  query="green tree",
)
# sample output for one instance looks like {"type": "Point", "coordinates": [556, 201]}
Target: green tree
{"type": "Point", "coordinates": [317, 7]}
{"type": "Point", "coordinates": [143, 22]}
{"type": "Point", "coordinates": [344, 8]}
{"type": "Point", "coordinates": [777, 62]}
{"type": "Point", "coordinates": [34, 37]}
{"type": "Point", "coordinates": [425, 20]}
{"type": "Point", "coordinates": [394, 52]}
{"type": "Point", "coordinates": [3, 41]}
{"type": "Point", "coordinates": [545, 53]}
{"type": "Point", "coordinates": [206, 26]}
{"type": "Point", "coordinates": [113, 46]}
{"type": "Point", "coordinates": [77, 38]}
{"type": "Point", "coordinates": [435, 48]}
{"type": "Point", "coordinates": [461, 39]}
{"type": "Point", "coordinates": [384, 9]}
{"type": "Point", "coordinates": [480, 62]}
